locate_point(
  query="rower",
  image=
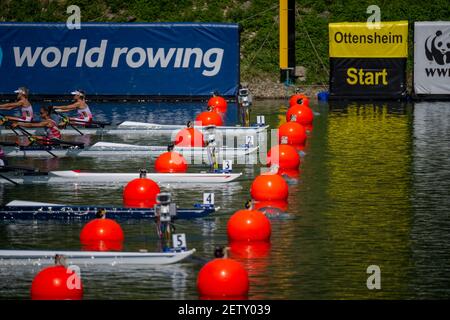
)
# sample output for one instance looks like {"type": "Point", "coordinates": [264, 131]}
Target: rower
{"type": "Point", "coordinates": [22, 103]}
{"type": "Point", "coordinates": [211, 148]}
{"type": "Point", "coordinates": [51, 128]}
{"type": "Point", "coordinates": [84, 113]}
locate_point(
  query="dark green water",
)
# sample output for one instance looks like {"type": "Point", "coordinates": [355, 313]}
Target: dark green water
{"type": "Point", "coordinates": [373, 190]}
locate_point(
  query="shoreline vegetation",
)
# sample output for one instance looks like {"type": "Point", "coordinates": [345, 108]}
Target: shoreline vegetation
{"type": "Point", "coordinates": [259, 22]}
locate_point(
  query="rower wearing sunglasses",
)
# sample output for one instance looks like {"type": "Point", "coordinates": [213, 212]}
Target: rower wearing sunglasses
{"type": "Point", "coordinates": [84, 113]}
{"type": "Point", "coordinates": [50, 126]}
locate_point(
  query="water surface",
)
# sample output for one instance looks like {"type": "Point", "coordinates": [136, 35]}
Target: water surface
{"type": "Point", "coordinates": [373, 190]}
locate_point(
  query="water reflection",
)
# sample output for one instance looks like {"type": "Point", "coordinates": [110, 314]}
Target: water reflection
{"type": "Point", "coordinates": [430, 235]}
{"type": "Point", "coordinates": [369, 219]}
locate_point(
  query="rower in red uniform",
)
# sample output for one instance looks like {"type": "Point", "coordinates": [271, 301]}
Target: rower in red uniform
{"type": "Point", "coordinates": [51, 128]}
{"type": "Point", "coordinates": [22, 103]}
{"type": "Point", "coordinates": [84, 113]}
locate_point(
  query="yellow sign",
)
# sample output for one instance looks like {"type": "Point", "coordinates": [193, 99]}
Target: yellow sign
{"type": "Point", "coordinates": [357, 40]}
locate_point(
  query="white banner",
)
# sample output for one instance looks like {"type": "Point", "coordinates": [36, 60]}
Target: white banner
{"type": "Point", "coordinates": [432, 57]}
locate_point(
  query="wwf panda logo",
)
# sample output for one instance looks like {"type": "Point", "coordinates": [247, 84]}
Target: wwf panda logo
{"type": "Point", "coordinates": [438, 48]}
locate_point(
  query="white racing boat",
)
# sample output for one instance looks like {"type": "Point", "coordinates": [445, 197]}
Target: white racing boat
{"type": "Point", "coordinates": [168, 128]}
{"type": "Point", "coordinates": [37, 257]}
{"type": "Point", "coordinates": [144, 128]}
{"type": "Point", "coordinates": [107, 149]}
{"type": "Point", "coordinates": [73, 176]}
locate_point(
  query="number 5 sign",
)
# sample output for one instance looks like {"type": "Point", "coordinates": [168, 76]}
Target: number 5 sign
{"type": "Point", "coordinates": [179, 240]}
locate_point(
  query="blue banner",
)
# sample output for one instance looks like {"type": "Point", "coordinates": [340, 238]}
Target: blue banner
{"type": "Point", "coordinates": [149, 59]}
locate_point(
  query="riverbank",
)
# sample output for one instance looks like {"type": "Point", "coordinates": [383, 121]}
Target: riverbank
{"type": "Point", "coordinates": [271, 88]}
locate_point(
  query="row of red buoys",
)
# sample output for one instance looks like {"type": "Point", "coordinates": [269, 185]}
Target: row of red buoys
{"type": "Point", "coordinates": [221, 277]}
{"type": "Point", "coordinates": [226, 278]}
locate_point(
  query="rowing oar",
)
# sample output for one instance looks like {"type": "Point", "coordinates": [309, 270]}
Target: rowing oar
{"type": "Point", "coordinates": [9, 180]}
{"type": "Point", "coordinates": [6, 123]}
{"type": "Point", "coordinates": [33, 140]}
{"type": "Point", "coordinates": [8, 144]}
{"type": "Point", "coordinates": [65, 118]}
{"type": "Point", "coordinates": [54, 140]}
{"type": "Point", "coordinates": [4, 168]}
{"type": "Point", "coordinates": [17, 168]}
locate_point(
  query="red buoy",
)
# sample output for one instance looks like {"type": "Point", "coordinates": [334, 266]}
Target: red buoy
{"type": "Point", "coordinates": [249, 225]}
{"type": "Point", "coordinates": [269, 187]}
{"type": "Point", "coordinates": [189, 137]}
{"type": "Point", "coordinates": [218, 104]}
{"type": "Point", "coordinates": [294, 132]}
{"type": "Point", "coordinates": [170, 162]}
{"type": "Point", "coordinates": [283, 155]}
{"type": "Point", "coordinates": [101, 229]}
{"type": "Point", "coordinates": [56, 283]}
{"type": "Point", "coordinates": [302, 115]}
{"type": "Point", "coordinates": [223, 278]}
{"type": "Point", "coordinates": [299, 99]}
{"type": "Point", "coordinates": [140, 193]}
{"type": "Point", "coordinates": [207, 118]}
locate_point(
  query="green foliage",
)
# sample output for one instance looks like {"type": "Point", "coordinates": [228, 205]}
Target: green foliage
{"type": "Point", "coordinates": [258, 18]}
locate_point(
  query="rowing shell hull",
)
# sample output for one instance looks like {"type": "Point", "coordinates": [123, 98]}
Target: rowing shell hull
{"type": "Point", "coordinates": [129, 128]}
{"type": "Point", "coordinates": [108, 149]}
{"type": "Point", "coordinates": [36, 257]}
{"type": "Point", "coordinates": [63, 212]}
{"type": "Point", "coordinates": [97, 177]}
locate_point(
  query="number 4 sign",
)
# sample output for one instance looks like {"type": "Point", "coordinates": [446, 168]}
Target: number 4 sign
{"type": "Point", "coordinates": [208, 198]}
